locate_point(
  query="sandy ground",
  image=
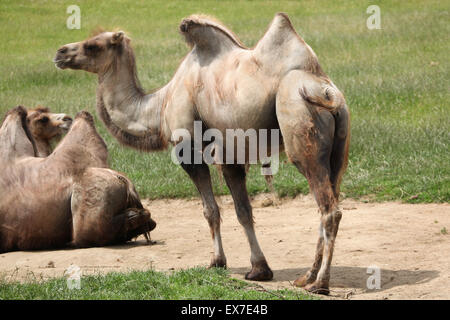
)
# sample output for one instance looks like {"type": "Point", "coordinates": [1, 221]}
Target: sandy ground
{"type": "Point", "coordinates": [403, 240]}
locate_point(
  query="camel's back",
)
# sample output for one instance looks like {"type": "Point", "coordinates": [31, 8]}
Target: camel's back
{"type": "Point", "coordinates": [232, 86]}
{"type": "Point", "coordinates": [279, 51]}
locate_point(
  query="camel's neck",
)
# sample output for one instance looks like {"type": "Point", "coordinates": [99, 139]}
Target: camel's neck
{"type": "Point", "coordinates": [44, 148]}
{"type": "Point", "coordinates": [133, 117]}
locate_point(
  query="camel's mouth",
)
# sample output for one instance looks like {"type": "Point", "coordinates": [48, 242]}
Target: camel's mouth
{"type": "Point", "coordinates": [65, 63]}
{"type": "Point", "coordinates": [138, 222]}
{"type": "Point", "coordinates": [61, 63]}
{"type": "Point", "coordinates": [66, 125]}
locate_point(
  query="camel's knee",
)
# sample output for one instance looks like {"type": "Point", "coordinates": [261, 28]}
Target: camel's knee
{"type": "Point", "coordinates": [212, 215]}
{"type": "Point", "coordinates": [245, 216]}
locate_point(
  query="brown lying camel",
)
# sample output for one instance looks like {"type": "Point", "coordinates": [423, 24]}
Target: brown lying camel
{"type": "Point", "coordinates": [47, 128]}
{"type": "Point", "coordinates": [69, 198]}
{"type": "Point", "coordinates": [278, 84]}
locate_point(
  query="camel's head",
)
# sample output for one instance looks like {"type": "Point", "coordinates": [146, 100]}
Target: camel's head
{"type": "Point", "coordinates": [138, 222]}
{"type": "Point", "coordinates": [95, 54]}
{"type": "Point", "coordinates": [45, 125]}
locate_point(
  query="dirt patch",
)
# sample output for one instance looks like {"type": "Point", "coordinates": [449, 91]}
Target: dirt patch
{"type": "Point", "coordinates": [407, 242]}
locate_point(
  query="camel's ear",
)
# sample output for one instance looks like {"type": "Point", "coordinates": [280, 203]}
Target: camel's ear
{"type": "Point", "coordinates": [117, 37]}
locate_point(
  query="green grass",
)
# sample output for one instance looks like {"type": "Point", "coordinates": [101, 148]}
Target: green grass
{"type": "Point", "coordinates": [196, 283]}
{"type": "Point", "coordinates": [396, 82]}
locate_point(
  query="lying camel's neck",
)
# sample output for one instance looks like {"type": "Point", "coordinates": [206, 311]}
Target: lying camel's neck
{"type": "Point", "coordinates": [132, 116]}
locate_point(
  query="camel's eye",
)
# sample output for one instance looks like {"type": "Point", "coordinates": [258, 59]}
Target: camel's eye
{"type": "Point", "coordinates": [92, 47]}
{"type": "Point", "coordinates": [44, 119]}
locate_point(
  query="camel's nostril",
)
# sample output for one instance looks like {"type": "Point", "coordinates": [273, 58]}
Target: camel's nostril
{"type": "Point", "coordinates": [62, 50]}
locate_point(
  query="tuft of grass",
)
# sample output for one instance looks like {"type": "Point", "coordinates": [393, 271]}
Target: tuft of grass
{"type": "Point", "coordinates": [195, 283]}
{"type": "Point", "coordinates": [395, 81]}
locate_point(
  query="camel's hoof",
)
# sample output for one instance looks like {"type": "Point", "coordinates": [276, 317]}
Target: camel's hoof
{"type": "Point", "coordinates": [318, 288]}
{"type": "Point", "coordinates": [260, 272]}
{"type": "Point", "coordinates": [218, 263]}
{"type": "Point", "coordinates": [303, 281]}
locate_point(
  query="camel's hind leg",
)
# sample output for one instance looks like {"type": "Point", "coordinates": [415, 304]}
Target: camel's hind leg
{"type": "Point", "coordinates": [235, 179]}
{"type": "Point", "coordinates": [311, 144]}
{"type": "Point", "coordinates": [200, 175]}
{"type": "Point", "coordinates": [318, 175]}
{"type": "Point", "coordinates": [313, 164]}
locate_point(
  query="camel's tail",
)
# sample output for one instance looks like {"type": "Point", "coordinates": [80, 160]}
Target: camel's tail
{"type": "Point", "coordinates": [325, 95]}
{"type": "Point", "coordinates": [341, 143]}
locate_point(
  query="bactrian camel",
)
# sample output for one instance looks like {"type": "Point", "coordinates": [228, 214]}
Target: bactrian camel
{"type": "Point", "coordinates": [47, 128]}
{"type": "Point", "coordinates": [278, 84]}
{"type": "Point", "coordinates": [69, 198]}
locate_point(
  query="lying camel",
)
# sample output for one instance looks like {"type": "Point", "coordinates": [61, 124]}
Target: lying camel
{"type": "Point", "coordinates": [69, 198]}
{"type": "Point", "coordinates": [278, 84]}
{"type": "Point", "coordinates": [47, 128]}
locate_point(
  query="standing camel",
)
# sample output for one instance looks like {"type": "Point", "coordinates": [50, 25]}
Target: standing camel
{"type": "Point", "coordinates": [278, 84]}
{"type": "Point", "coordinates": [69, 198]}
{"type": "Point", "coordinates": [47, 128]}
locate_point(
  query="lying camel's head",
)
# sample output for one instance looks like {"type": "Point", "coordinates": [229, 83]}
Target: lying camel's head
{"type": "Point", "coordinates": [95, 54]}
{"type": "Point", "coordinates": [45, 125]}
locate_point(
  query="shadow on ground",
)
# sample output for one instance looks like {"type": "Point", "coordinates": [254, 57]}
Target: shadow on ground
{"type": "Point", "coordinates": [356, 277]}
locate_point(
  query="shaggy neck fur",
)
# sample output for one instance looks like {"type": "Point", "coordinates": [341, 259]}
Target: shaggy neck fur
{"type": "Point", "coordinates": [132, 116]}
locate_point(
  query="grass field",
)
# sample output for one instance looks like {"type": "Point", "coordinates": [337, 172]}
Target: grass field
{"type": "Point", "coordinates": [396, 82]}
{"type": "Point", "coordinates": [196, 283]}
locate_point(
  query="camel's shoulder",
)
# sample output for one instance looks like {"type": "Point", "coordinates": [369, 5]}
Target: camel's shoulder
{"type": "Point", "coordinates": [203, 30]}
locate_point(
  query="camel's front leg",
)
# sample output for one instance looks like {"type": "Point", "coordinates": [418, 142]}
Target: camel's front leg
{"type": "Point", "coordinates": [199, 174]}
{"type": "Point", "coordinates": [235, 179]}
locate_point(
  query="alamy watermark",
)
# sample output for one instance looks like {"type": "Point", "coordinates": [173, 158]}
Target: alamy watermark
{"type": "Point", "coordinates": [73, 273]}
{"type": "Point", "coordinates": [374, 281]}
{"type": "Point", "coordinates": [374, 20]}
{"type": "Point", "coordinates": [74, 20]}
{"type": "Point", "coordinates": [241, 147]}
